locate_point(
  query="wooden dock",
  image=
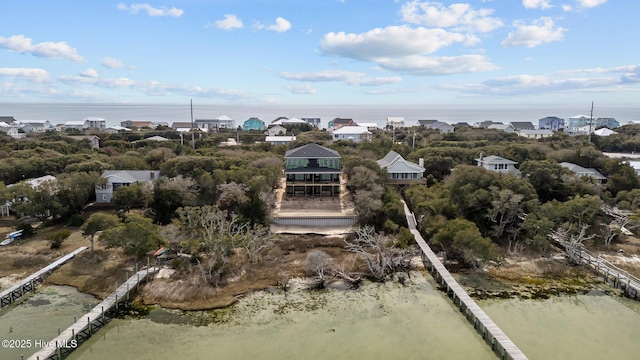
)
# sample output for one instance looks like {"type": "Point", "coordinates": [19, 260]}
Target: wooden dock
{"type": "Point", "coordinates": [490, 332]}
{"type": "Point", "coordinates": [15, 292]}
{"type": "Point", "coordinates": [86, 326]}
{"type": "Point", "coordinates": [612, 274]}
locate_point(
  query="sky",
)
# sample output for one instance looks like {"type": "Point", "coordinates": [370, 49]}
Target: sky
{"type": "Point", "coordinates": [322, 52]}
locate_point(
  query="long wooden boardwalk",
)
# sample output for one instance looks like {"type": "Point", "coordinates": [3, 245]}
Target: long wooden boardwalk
{"type": "Point", "coordinates": [615, 276]}
{"type": "Point", "coordinates": [490, 332]}
{"type": "Point", "coordinates": [7, 297]}
{"type": "Point", "coordinates": [74, 335]}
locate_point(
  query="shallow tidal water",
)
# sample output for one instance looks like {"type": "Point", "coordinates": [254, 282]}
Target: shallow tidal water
{"type": "Point", "coordinates": [38, 316]}
{"type": "Point", "coordinates": [377, 321]}
{"type": "Point", "coordinates": [590, 326]}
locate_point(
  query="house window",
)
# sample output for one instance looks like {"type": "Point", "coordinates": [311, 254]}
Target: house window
{"type": "Point", "coordinates": [104, 197]}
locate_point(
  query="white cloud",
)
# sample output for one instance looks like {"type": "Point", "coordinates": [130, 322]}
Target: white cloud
{"type": "Point", "coordinates": [280, 26]}
{"type": "Point", "coordinates": [591, 3]}
{"type": "Point", "coordinates": [537, 4]}
{"type": "Point", "coordinates": [301, 90]}
{"type": "Point", "coordinates": [30, 74]}
{"type": "Point", "coordinates": [424, 65]}
{"type": "Point", "coordinates": [229, 22]}
{"type": "Point", "coordinates": [151, 11]}
{"type": "Point", "coordinates": [89, 73]}
{"type": "Point", "coordinates": [349, 77]}
{"type": "Point", "coordinates": [50, 50]}
{"type": "Point", "coordinates": [566, 7]}
{"type": "Point", "coordinates": [113, 63]}
{"type": "Point", "coordinates": [458, 16]}
{"type": "Point", "coordinates": [538, 32]}
{"type": "Point", "coordinates": [393, 41]}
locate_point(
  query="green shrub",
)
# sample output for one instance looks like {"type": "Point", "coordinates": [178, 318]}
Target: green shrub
{"type": "Point", "coordinates": [58, 237]}
{"type": "Point", "coordinates": [76, 220]}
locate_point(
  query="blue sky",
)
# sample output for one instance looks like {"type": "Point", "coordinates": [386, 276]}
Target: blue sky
{"type": "Point", "coordinates": [321, 52]}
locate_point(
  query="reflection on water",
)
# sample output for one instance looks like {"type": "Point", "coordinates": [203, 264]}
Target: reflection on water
{"type": "Point", "coordinates": [39, 315]}
{"type": "Point", "coordinates": [592, 326]}
{"type": "Point", "coordinates": [377, 321]}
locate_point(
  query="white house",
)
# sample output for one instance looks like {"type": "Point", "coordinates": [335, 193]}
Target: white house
{"type": "Point", "coordinates": [369, 125]}
{"type": "Point", "coordinates": [395, 121]}
{"type": "Point", "coordinates": [35, 125]}
{"type": "Point", "coordinates": [76, 125]}
{"type": "Point", "coordinates": [353, 133]}
{"type": "Point", "coordinates": [117, 178]}
{"type": "Point", "coordinates": [535, 134]}
{"type": "Point", "coordinates": [400, 170]}
{"type": "Point", "coordinates": [116, 129]}
{"type": "Point", "coordinates": [498, 164]}
{"type": "Point", "coordinates": [97, 123]}
{"type": "Point", "coordinates": [276, 130]}
{"type": "Point", "coordinates": [581, 171]}
{"type": "Point", "coordinates": [502, 127]}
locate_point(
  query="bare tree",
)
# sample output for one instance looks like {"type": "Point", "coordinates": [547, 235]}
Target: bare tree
{"type": "Point", "coordinates": [572, 241]}
{"type": "Point", "coordinates": [319, 264]}
{"type": "Point", "coordinates": [378, 252]}
{"type": "Point", "coordinates": [255, 241]}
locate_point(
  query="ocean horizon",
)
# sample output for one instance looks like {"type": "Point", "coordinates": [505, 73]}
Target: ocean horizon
{"type": "Point", "coordinates": [114, 114]}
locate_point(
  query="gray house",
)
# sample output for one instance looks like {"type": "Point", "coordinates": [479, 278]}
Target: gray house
{"type": "Point", "coordinates": [117, 178]}
{"type": "Point", "coordinates": [581, 171]}
{"type": "Point", "coordinates": [401, 171]}
{"type": "Point", "coordinates": [498, 164]}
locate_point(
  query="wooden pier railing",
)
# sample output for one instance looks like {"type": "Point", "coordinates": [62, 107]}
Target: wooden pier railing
{"type": "Point", "coordinates": [15, 292]}
{"type": "Point", "coordinates": [490, 332]}
{"type": "Point", "coordinates": [86, 326]}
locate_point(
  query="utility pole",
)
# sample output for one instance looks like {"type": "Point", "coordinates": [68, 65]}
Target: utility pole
{"type": "Point", "coordinates": [193, 140]}
{"type": "Point", "coordinates": [590, 122]}
{"type": "Point", "coordinates": [414, 139]}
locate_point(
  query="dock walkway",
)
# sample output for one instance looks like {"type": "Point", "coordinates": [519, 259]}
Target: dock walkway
{"type": "Point", "coordinates": [28, 284]}
{"type": "Point", "coordinates": [613, 275]}
{"type": "Point", "coordinates": [490, 332]}
{"type": "Point", "coordinates": [73, 336]}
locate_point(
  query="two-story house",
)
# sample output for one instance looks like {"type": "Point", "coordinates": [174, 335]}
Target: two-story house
{"type": "Point", "coordinates": [312, 170]}
{"type": "Point", "coordinates": [588, 172]}
{"type": "Point", "coordinates": [116, 178]}
{"type": "Point", "coordinates": [337, 123]}
{"type": "Point", "coordinates": [253, 123]}
{"type": "Point", "coordinates": [552, 123]}
{"type": "Point", "coordinates": [401, 171]}
{"type": "Point", "coordinates": [498, 164]}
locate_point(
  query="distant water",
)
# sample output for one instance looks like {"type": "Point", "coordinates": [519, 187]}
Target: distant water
{"type": "Point", "coordinates": [116, 113]}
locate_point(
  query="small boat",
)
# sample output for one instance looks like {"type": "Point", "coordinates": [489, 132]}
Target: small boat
{"type": "Point", "coordinates": [160, 251]}
{"type": "Point", "coordinates": [10, 237]}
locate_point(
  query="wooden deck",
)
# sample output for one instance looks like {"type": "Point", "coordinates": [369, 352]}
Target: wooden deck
{"type": "Point", "coordinates": [490, 332]}
{"type": "Point", "coordinates": [7, 297]}
{"type": "Point", "coordinates": [73, 336]}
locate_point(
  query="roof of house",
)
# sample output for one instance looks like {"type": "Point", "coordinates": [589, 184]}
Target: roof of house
{"type": "Point", "coordinates": [604, 132]}
{"type": "Point", "coordinates": [426, 122]}
{"type": "Point", "coordinates": [118, 128]}
{"type": "Point", "coordinates": [579, 170]}
{"type": "Point", "coordinates": [4, 124]}
{"type": "Point", "coordinates": [33, 122]}
{"type": "Point", "coordinates": [352, 130]}
{"type": "Point", "coordinates": [369, 124]}
{"type": "Point", "coordinates": [440, 125]}
{"type": "Point", "coordinates": [500, 126]}
{"type": "Point", "coordinates": [537, 132]}
{"type": "Point", "coordinates": [494, 159]}
{"type": "Point", "coordinates": [94, 118]}
{"type": "Point", "coordinates": [181, 124]}
{"type": "Point", "coordinates": [224, 118]}
{"type": "Point", "coordinates": [279, 138]}
{"type": "Point", "coordinates": [312, 150]}
{"type": "Point", "coordinates": [521, 125]}
{"type": "Point", "coordinates": [345, 121]}
{"type": "Point", "coordinates": [132, 175]}
{"type": "Point", "coordinates": [393, 157]}
{"type": "Point", "coordinates": [155, 138]}
{"type": "Point", "coordinates": [74, 123]}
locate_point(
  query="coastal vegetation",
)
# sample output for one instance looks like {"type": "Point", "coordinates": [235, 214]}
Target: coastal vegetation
{"type": "Point", "coordinates": [211, 207]}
